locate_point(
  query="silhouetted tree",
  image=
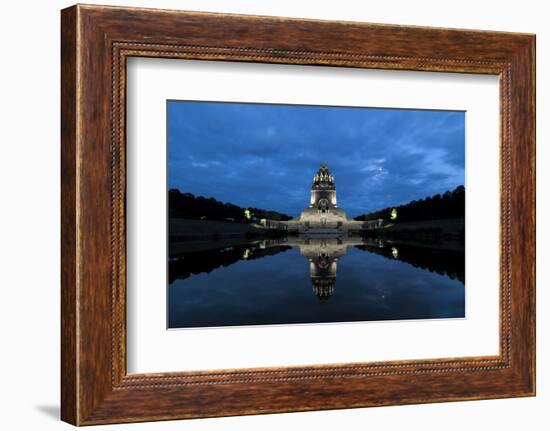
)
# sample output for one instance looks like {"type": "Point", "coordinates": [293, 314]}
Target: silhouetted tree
{"type": "Point", "coordinates": [448, 205]}
{"type": "Point", "coordinates": [187, 205]}
{"type": "Point", "coordinates": [183, 265]}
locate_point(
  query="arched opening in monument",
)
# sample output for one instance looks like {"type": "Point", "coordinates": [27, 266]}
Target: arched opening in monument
{"type": "Point", "coordinates": [323, 205]}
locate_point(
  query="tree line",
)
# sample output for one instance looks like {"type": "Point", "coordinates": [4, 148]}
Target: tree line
{"type": "Point", "coordinates": [205, 261]}
{"type": "Point", "coordinates": [450, 204]}
{"type": "Point", "coordinates": [187, 205]}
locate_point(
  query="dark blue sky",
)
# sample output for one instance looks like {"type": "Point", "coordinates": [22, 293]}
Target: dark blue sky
{"type": "Point", "coordinates": [265, 156]}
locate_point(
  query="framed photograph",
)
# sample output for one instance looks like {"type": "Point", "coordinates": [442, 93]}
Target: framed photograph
{"type": "Point", "coordinates": [264, 214]}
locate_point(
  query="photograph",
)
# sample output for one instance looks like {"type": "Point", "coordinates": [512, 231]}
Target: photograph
{"type": "Point", "coordinates": [275, 215]}
{"type": "Point", "coordinates": [284, 214]}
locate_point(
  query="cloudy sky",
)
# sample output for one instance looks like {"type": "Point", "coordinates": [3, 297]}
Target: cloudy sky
{"type": "Point", "coordinates": [265, 156]}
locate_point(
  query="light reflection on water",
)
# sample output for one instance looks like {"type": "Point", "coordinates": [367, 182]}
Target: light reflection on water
{"type": "Point", "coordinates": [312, 280]}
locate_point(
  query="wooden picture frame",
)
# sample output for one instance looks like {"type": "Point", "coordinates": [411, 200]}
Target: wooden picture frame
{"type": "Point", "coordinates": [95, 43]}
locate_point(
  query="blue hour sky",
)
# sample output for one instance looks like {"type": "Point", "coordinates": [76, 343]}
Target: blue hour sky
{"type": "Point", "coordinates": [265, 156]}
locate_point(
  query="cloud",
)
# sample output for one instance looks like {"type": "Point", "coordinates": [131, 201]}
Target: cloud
{"type": "Point", "coordinates": [266, 155]}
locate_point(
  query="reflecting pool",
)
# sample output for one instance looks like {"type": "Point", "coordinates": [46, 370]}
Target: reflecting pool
{"type": "Point", "coordinates": [312, 279]}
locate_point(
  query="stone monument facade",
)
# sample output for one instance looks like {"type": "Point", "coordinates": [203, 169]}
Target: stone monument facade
{"type": "Point", "coordinates": [323, 213]}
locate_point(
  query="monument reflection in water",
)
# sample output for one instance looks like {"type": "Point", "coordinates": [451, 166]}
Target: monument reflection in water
{"type": "Point", "coordinates": [313, 280]}
{"type": "Point", "coordinates": [327, 269]}
{"type": "Point", "coordinates": [323, 254]}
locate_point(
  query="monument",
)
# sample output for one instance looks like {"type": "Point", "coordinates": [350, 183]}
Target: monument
{"type": "Point", "coordinates": [323, 212]}
{"type": "Point", "coordinates": [322, 215]}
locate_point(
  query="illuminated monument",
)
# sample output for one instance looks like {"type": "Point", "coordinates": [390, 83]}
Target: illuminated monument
{"type": "Point", "coordinates": [322, 216]}
{"type": "Point", "coordinates": [323, 212]}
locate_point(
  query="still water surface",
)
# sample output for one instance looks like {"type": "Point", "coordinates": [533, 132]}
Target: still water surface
{"type": "Point", "coordinates": [313, 280]}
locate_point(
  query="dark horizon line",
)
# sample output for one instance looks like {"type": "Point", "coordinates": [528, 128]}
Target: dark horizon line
{"type": "Point", "coordinates": [284, 213]}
